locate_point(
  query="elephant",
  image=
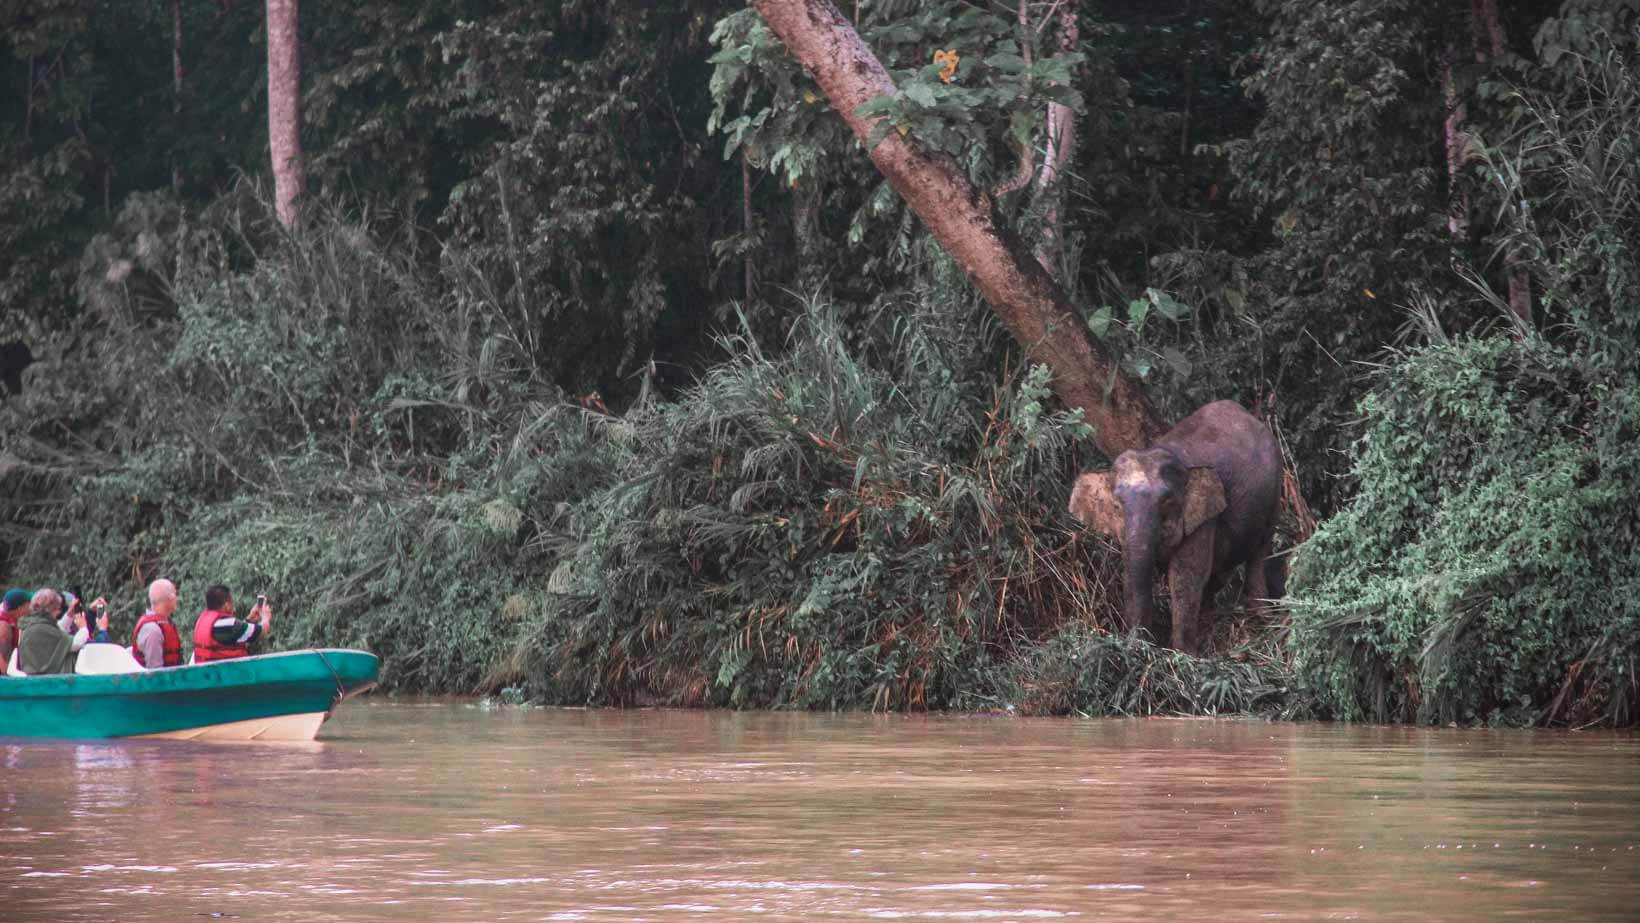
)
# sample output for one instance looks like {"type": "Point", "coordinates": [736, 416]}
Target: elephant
{"type": "Point", "coordinates": [1198, 502]}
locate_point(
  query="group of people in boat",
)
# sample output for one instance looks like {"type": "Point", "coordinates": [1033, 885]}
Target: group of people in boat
{"type": "Point", "coordinates": [43, 631]}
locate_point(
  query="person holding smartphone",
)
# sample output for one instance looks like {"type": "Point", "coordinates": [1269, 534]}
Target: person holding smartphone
{"type": "Point", "coordinates": [75, 621]}
{"type": "Point", "coordinates": [99, 631]}
{"type": "Point", "coordinates": [219, 635]}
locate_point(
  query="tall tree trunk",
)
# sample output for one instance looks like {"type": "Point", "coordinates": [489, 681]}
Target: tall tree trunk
{"type": "Point", "coordinates": [1490, 45]}
{"type": "Point", "coordinates": [1061, 144]}
{"type": "Point", "coordinates": [746, 220]}
{"type": "Point", "coordinates": [176, 87]}
{"type": "Point", "coordinates": [1189, 79]}
{"type": "Point", "coordinates": [811, 265]}
{"type": "Point", "coordinates": [1027, 154]}
{"type": "Point", "coordinates": [1489, 38]}
{"type": "Point", "coordinates": [285, 108]}
{"type": "Point", "coordinates": [28, 99]}
{"type": "Point", "coordinates": [1457, 205]}
{"type": "Point", "coordinates": [964, 220]}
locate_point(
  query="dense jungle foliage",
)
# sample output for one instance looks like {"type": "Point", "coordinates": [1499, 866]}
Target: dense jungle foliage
{"type": "Point", "coordinates": [603, 367]}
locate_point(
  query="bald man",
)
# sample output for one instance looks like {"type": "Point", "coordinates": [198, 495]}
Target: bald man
{"type": "Point", "coordinates": [155, 642]}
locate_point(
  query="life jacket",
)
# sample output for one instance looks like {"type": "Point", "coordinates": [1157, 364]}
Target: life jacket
{"type": "Point", "coordinates": [207, 647]}
{"type": "Point", "coordinates": [173, 641]}
{"type": "Point", "coordinates": [9, 617]}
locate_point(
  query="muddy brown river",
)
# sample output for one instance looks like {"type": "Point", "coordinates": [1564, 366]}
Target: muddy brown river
{"type": "Point", "coordinates": [428, 810]}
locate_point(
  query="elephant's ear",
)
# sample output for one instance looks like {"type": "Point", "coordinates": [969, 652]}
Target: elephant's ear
{"type": "Point", "coordinates": [1095, 505]}
{"type": "Point", "coordinates": [1203, 498]}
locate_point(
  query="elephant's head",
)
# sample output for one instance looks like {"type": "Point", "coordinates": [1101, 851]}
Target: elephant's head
{"type": "Point", "coordinates": [1149, 501]}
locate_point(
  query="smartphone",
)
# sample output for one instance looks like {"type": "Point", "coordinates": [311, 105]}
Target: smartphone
{"type": "Point", "coordinates": [261, 599]}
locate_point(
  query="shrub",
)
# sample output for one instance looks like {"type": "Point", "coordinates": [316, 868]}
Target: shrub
{"type": "Point", "coordinates": [1488, 569]}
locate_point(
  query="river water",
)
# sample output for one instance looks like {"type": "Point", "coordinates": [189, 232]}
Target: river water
{"type": "Point", "coordinates": [446, 810]}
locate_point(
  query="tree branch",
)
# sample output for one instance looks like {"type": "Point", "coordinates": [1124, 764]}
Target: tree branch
{"type": "Point", "coordinates": [964, 221]}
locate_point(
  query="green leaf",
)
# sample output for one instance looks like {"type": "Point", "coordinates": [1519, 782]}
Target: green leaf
{"type": "Point", "coordinates": [883, 127]}
{"type": "Point", "coordinates": [1056, 69]}
{"type": "Point", "coordinates": [1165, 303]}
{"type": "Point", "coordinates": [1020, 125]}
{"type": "Point", "coordinates": [1006, 62]}
{"type": "Point", "coordinates": [1176, 361]}
{"type": "Point", "coordinates": [1099, 321]}
{"type": "Point", "coordinates": [1138, 310]}
{"type": "Point", "coordinates": [731, 665]}
{"type": "Point", "coordinates": [920, 93]}
{"type": "Point", "coordinates": [1064, 95]}
{"type": "Point", "coordinates": [877, 105]}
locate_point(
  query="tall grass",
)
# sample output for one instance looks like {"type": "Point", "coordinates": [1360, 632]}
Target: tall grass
{"type": "Point", "coordinates": [821, 527]}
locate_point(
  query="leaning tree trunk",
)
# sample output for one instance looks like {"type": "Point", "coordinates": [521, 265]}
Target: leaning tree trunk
{"type": "Point", "coordinates": [963, 219]}
{"type": "Point", "coordinates": [285, 108]}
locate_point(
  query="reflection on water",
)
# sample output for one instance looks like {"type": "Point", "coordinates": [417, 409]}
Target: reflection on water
{"type": "Point", "coordinates": [442, 809]}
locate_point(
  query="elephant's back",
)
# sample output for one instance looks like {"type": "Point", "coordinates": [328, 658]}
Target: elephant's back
{"type": "Point", "coordinates": [1243, 452]}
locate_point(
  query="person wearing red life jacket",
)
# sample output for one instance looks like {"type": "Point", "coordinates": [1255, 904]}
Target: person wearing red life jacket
{"type": "Point", "coordinates": [220, 636]}
{"type": "Point", "coordinates": [12, 609]}
{"type": "Point", "coordinates": [154, 641]}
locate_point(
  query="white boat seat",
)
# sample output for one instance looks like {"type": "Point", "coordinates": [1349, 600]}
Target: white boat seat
{"type": "Point", "coordinates": [11, 668]}
{"type": "Point", "coordinates": [98, 658]}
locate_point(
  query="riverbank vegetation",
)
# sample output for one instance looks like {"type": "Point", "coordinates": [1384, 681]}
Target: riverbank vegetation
{"type": "Point", "coordinates": [602, 366]}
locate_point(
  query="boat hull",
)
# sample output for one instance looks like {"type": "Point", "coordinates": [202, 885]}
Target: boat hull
{"type": "Point", "coordinates": [284, 696]}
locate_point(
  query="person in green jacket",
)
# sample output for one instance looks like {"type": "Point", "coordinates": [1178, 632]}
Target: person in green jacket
{"type": "Point", "coordinates": [42, 647]}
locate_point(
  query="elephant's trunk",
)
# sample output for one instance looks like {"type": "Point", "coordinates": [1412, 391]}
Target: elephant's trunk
{"type": "Point", "coordinates": [1139, 557]}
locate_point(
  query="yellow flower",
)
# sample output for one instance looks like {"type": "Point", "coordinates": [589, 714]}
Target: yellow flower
{"type": "Point", "coordinates": [948, 63]}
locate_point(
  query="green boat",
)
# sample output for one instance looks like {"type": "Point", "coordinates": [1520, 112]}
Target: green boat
{"type": "Point", "coordinates": [284, 696]}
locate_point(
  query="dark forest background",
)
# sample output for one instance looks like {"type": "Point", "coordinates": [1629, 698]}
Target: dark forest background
{"type": "Point", "coordinates": [603, 367]}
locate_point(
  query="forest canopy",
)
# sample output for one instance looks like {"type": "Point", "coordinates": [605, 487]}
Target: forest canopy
{"type": "Point", "coordinates": [598, 356]}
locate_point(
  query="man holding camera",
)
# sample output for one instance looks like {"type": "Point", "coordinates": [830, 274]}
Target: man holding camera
{"type": "Point", "coordinates": [220, 636]}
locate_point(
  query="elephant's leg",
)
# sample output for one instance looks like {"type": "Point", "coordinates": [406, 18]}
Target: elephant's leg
{"type": "Point", "coordinates": [1215, 583]}
{"type": "Point", "coordinates": [1187, 577]}
{"type": "Point", "coordinates": [1256, 589]}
